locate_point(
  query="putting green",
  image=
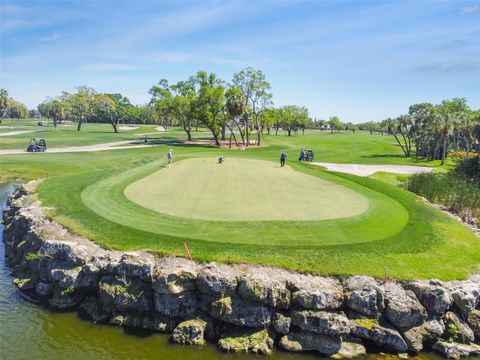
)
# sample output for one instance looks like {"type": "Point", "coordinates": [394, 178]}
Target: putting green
{"type": "Point", "coordinates": [243, 190]}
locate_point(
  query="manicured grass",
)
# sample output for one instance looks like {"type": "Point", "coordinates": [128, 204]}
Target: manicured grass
{"type": "Point", "coordinates": [200, 188]}
{"type": "Point", "coordinates": [398, 231]}
{"type": "Point", "coordinates": [67, 135]}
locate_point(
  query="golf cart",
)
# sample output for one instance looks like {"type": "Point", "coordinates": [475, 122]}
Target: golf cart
{"type": "Point", "coordinates": [308, 155]}
{"type": "Point", "coordinates": [37, 145]}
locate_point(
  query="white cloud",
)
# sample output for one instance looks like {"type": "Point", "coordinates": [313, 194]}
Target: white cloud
{"type": "Point", "coordinates": [50, 38]}
{"type": "Point", "coordinates": [111, 67]}
{"type": "Point", "coordinates": [470, 10]}
{"type": "Point", "coordinates": [449, 67]}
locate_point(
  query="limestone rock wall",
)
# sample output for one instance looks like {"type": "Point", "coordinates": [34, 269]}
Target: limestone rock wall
{"type": "Point", "coordinates": [245, 308]}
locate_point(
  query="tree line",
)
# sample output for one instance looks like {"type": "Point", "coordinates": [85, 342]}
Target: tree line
{"type": "Point", "coordinates": [10, 108]}
{"type": "Point", "coordinates": [242, 109]}
{"type": "Point", "coordinates": [433, 130]}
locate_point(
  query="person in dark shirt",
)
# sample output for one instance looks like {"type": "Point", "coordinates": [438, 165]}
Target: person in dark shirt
{"type": "Point", "coordinates": [283, 157]}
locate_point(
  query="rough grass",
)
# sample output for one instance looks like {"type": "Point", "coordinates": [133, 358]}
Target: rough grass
{"type": "Point", "coordinates": [460, 195]}
{"type": "Point", "coordinates": [400, 232]}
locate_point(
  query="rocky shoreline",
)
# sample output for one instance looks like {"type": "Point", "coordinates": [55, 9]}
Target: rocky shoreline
{"type": "Point", "coordinates": [242, 308]}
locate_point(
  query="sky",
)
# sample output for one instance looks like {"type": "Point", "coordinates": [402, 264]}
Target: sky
{"type": "Point", "coordinates": [359, 60]}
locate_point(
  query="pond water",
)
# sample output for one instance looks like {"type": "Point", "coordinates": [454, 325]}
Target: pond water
{"type": "Point", "coordinates": [31, 331]}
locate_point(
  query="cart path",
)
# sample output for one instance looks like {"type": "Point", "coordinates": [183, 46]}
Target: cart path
{"type": "Point", "coordinates": [366, 170]}
{"type": "Point", "coordinates": [97, 147]}
{"type": "Point", "coordinates": [12, 133]}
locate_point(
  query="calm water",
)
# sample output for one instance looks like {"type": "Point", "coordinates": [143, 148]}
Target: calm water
{"type": "Point", "coordinates": [30, 331]}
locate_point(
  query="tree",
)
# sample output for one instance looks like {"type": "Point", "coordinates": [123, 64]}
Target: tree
{"type": "Point", "coordinates": [80, 105]}
{"type": "Point", "coordinates": [400, 128]}
{"type": "Point", "coordinates": [235, 106]}
{"type": "Point", "coordinates": [293, 117]}
{"type": "Point", "coordinates": [176, 102]}
{"type": "Point", "coordinates": [468, 120]}
{"type": "Point", "coordinates": [210, 102]}
{"type": "Point", "coordinates": [256, 91]}
{"type": "Point", "coordinates": [446, 115]}
{"type": "Point", "coordinates": [52, 109]}
{"type": "Point", "coordinates": [334, 123]}
{"type": "Point", "coordinates": [3, 103]}
{"type": "Point", "coordinates": [105, 107]}
{"type": "Point", "coordinates": [16, 109]}
{"type": "Point", "coordinates": [267, 119]}
{"type": "Point", "coordinates": [351, 127]}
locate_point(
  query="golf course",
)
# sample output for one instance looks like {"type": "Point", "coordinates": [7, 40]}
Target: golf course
{"type": "Point", "coordinates": [249, 209]}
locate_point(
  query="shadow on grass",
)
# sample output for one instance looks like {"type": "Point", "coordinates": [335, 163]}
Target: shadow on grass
{"type": "Point", "coordinates": [397, 156]}
{"type": "Point", "coordinates": [178, 142]}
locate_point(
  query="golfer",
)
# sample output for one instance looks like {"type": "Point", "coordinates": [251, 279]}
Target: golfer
{"type": "Point", "coordinates": [283, 157]}
{"type": "Point", "coordinates": [221, 159]}
{"type": "Point", "coordinates": [170, 157]}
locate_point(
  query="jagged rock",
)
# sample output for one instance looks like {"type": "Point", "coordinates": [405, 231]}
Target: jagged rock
{"type": "Point", "coordinates": [173, 275]}
{"type": "Point", "coordinates": [217, 279]}
{"type": "Point", "coordinates": [94, 310]}
{"type": "Point", "coordinates": [248, 341]}
{"type": "Point", "coordinates": [456, 350]}
{"type": "Point", "coordinates": [135, 265]}
{"type": "Point", "coordinates": [457, 329]}
{"type": "Point", "coordinates": [281, 323]}
{"type": "Point", "coordinates": [364, 295]}
{"type": "Point", "coordinates": [25, 283]}
{"type": "Point", "coordinates": [265, 285]}
{"type": "Point", "coordinates": [44, 289]}
{"type": "Point", "coordinates": [433, 295]}
{"type": "Point", "coordinates": [426, 333]}
{"type": "Point", "coordinates": [382, 336]}
{"type": "Point", "coordinates": [176, 305]}
{"type": "Point", "coordinates": [163, 323]}
{"type": "Point", "coordinates": [475, 278]}
{"type": "Point", "coordinates": [190, 332]}
{"type": "Point", "coordinates": [103, 263]}
{"type": "Point", "coordinates": [474, 322]}
{"type": "Point", "coordinates": [234, 310]}
{"type": "Point", "coordinates": [125, 296]}
{"type": "Point", "coordinates": [72, 253]}
{"type": "Point", "coordinates": [133, 321]}
{"type": "Point", "coordinates": [322, 322]}
{"type": "Point", "coordinates": [349, 350]}
{"type": "Point", "coordinates": [304, 341]}
{"type": "Point", "coordinates": [74, 277]}
{"type": "Point", "coordinates": [466, 295]}
{"type": "Point", "coordinates": [402, 308]}
{"type": "Point", "coordinates": [317, 293]}
{"type": "Point", "coordinates": [61, 301]}
{"type": "Point", "coordinates": [118, 320]}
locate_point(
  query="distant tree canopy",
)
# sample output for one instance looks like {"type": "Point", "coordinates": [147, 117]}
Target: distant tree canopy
{"type": "Point", "coordinates": [432, 131]}
{"type": "Point", "coordinates": [10, 108]}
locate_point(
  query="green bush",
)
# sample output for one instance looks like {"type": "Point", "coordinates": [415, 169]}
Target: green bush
{"type": "Point", "coordinates": [68, 291]}
{"type": "Point", "coordinates": [33, 256]}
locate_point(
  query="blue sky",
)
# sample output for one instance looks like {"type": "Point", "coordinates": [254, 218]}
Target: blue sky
{"type": "Point", "coordinates": [360, 60]}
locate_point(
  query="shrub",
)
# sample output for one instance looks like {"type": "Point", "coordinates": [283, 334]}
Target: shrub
{"type": "Point", "coordinates": [468, 169]}
{"type": "Point", "coordinates": [33, 256]}
{"type": "Point", "coordinates": [68, 291]}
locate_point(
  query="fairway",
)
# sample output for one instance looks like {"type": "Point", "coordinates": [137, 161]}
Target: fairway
{"type": "Point", "coordinates": [248, 209]}
{"type": "Point", "coordinates": [243, 190]}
